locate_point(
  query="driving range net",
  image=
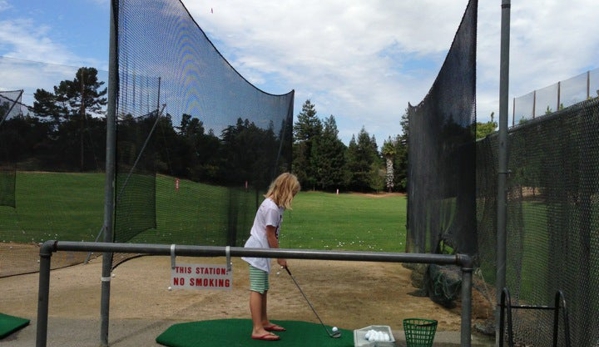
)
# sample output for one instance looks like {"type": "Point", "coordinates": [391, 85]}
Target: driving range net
{"type": "Point", "coordinates": [552, 204]}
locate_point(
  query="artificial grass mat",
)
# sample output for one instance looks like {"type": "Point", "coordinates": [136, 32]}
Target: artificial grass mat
{"type": "Point", "coordinates": [10, 324]}
{"type": "Point", "coordinates": [237, 333]}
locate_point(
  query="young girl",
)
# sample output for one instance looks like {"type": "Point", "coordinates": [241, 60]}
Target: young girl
{"type": "Point", "coordinates": [265, 234]}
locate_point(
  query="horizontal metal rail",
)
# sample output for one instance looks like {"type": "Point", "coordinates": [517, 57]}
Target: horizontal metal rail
{"type": "Point", "coordinates": [51, 246]}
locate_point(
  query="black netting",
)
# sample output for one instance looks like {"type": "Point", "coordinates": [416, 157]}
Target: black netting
{"type": "Point", "coordinates": [10, 108]}
{"type": "Point", "coordinates": [552, 200]}
{"type": "Point", "coordinates": [51, 179]}
{"type": "Point", "coordinates": [553, 218]}
{"type": "Point", "coordinates": [197, 144]}
{"type": "Point", "coordinates": [11, 105]}
{"type": "Point", "coordinates": [441, 205]}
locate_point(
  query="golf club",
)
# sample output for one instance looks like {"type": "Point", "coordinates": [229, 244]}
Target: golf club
{"type": "Point", "coordinates": [335, 334]}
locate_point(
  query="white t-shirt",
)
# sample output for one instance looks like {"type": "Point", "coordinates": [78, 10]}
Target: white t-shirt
{"type": "Point", "coordinates": [268, 214]}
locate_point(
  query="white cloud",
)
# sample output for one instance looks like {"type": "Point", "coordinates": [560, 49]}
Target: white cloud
{"type": "Point", "coordinates": [336, 53]}
{"type": "Point", "coordinates": [550, 41]}
{"type": "Point", "coordinates": [33, 56]}
{"type": "Point", "coordinates": [24, 39]}
{"type": "Point", "coordinates": [23, 44]}
{"type": "Point", "coordinates": [360, 61]}
{"type": "Point", "coordinates": [4, 5]}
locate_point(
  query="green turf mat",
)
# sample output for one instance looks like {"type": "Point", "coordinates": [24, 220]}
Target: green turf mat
{"type": "Point", "coordinates": [10, 324]}
{"type": "Point", "coordinates": [237, 333]}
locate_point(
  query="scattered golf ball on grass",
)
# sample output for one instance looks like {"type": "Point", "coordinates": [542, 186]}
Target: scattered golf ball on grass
{"type": "Point", "coordinates": [335, 329]}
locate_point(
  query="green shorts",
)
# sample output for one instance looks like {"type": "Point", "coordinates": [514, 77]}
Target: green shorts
{"type": "Point", "coordinates": [258, 280]}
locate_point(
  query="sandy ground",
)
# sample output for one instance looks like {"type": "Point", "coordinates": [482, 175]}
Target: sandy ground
{"type": "Point", "coordinates": [350, 295]}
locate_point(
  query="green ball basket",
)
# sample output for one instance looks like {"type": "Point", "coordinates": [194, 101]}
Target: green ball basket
{"type": "Point", "coordinates": [419, 332]}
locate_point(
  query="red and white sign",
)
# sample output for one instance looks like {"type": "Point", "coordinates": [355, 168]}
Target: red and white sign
{"type": "Point", "coordinates": [201, 276]}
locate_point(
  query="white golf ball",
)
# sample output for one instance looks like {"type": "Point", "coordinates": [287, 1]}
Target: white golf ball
{"type": "Point", "coordinates": [335, 329]}
{"type": "Point", "coordinates": [169, 288]}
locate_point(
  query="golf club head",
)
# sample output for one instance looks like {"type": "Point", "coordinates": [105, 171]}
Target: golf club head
{"type": "Point", "coordinates": [336, 335]}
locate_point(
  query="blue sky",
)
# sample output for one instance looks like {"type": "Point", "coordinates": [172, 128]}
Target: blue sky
{"type": "Point", "coordinates": [361, 62]}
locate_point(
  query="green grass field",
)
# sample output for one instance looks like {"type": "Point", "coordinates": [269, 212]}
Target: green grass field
{"type": "Point", "coordinates": [70, 207]}
{"type": "Point", "coordinates": [54, 206]}
{"type": "Point", "coordinates": [346, 222]}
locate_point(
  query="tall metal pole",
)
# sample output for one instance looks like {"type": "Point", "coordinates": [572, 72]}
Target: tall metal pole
{"type": "Point", "coordinates": [503, 159]}
{"type": "Point", "coordinates": [110, 172]}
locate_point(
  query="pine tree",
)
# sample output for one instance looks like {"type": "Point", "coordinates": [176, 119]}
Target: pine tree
{"type": "Point", "coordinates": [363, 163]}
{"type": "Point", "coordinates": [400, 163]}
{"type": "Point", "coordinates": [72, 106]}
{"type": "Point", "coordinates": [306, 130]}
{"type": "Point", "coordinates": [328, 157]}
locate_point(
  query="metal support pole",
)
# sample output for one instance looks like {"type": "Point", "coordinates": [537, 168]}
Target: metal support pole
{"type": "Point", "coordinates": [534, 103]}
{"type": "Point", "coordinates": [466, 328]}
{"type": "Point", "coordinates": [559, 95]}
{"type": "Point", "coordinates": [43, 295]}
{"type": "Point", "coordinates": [503, 159]}
{"type": "Point", "coordinates": [514, 112]}
{"type": "Point", "coordinates": [588, 85]}
{"type": "Point", "coordinates": [110, 173]}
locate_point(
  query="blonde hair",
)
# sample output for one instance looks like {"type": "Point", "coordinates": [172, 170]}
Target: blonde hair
{"type": "Point", "coordinates": [283, 189]}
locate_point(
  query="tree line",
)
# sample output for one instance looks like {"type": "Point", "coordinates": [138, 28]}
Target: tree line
{"type": "Point", "coordinates": [65, 131]}
{"type": "Point", "coordinates": [323, 162]}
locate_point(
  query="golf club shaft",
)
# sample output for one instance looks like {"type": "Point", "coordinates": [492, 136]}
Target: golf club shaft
{"type": "Point", "coordinates": [308, 301]}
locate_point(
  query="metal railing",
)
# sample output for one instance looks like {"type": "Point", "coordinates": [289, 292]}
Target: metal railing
{"type": "Point", "coordinates": [51, 246]}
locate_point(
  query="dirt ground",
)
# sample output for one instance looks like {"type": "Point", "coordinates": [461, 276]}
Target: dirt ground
{"type": "Point", "coordinates": [350, 295]}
